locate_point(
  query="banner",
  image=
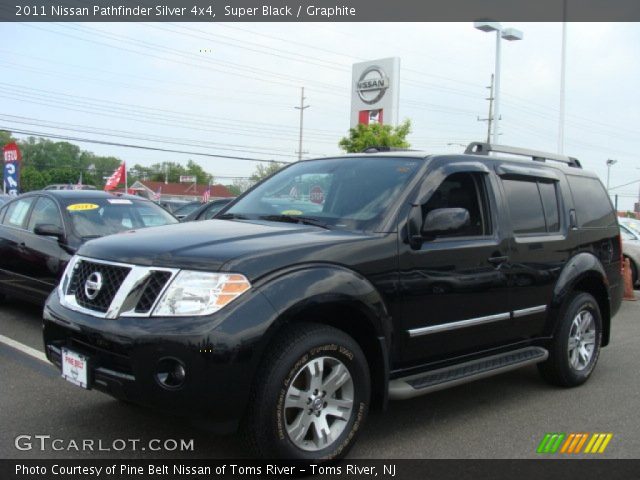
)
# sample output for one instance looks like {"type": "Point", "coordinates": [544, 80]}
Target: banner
{"type": "Point", "coordinates": [12, 158]}
{"type": "Point", "coordinates": [114, 180]}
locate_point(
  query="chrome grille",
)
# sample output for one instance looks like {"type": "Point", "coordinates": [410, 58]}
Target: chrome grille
{"type": "Point", "coordinates": [127, 290]}
{"type": "Point", "coordinates": [151, 292]}
{"type": "Point", "coordinates": [112, 278]}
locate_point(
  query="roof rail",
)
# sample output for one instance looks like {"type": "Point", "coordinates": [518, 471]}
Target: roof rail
{"type": "Point", "coordinates": [383, 148]}
{"type": "Point", "coordinates": [482, 148]}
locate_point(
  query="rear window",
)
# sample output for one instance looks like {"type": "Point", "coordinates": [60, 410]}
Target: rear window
{"type": "Point", "coordinates": [591, 202]}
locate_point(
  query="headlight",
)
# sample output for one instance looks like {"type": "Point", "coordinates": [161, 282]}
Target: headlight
{"type": "Point", "coordinates": [200, 293]}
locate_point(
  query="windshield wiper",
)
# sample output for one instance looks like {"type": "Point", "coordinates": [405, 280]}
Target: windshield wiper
{"type": "Point", "coordinates": [230, 216]}
{"type": "Point", "coordinates": [296, 219]}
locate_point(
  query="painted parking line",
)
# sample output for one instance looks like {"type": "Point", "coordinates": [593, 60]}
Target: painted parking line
{"type": "Point", "coordinates": [32, 352]}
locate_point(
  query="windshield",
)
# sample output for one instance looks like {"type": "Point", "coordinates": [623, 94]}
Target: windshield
{"type": "Point", "coordinates": [347, 193]}
{"type": "Point", "coordinates": [633, 225]}
{"type": "Point", "coordinates": [97, 217]}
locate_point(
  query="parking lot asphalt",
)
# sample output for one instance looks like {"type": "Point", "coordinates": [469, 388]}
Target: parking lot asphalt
{"type": "Point", "coordinates": [501, 417]}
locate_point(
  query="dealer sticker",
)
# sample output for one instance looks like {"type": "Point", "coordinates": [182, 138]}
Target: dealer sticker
{"type": "Point", "coordinates": [74, 368]}
{"type": "Point", "coordinates": [79, 207]}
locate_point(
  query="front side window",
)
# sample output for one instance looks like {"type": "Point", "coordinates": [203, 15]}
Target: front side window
{"type": "Point", "coordinates": [345, 193]}
{"type": "Point", "coordinates": [17, 212]}
{"type": "Point", "coordinates": [45, 211]}
{"type": "Point", "coordinates": [467, 191]}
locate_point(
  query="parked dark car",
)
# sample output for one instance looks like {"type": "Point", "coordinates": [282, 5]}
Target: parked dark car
{"type": "Point", "coordinates": [340, 283]}
{"type": "Point", "coordinates": [184, 210]}
{"type": "Point", "coordinates": [40, 232]}
{"type": "Point", "coordinates": [206, 211]}
{"type": "Point", "coordinates": [172, 205]}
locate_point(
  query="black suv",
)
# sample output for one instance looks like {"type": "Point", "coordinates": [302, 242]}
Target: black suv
{"type": "Point", "coordinates": [340, 283]}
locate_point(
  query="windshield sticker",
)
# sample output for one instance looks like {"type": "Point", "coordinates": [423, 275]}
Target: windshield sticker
{"type": "Point", "coordinates": [291, 212]}
{"type": "Point", "coordinates": [80, 207]}
{"type": "Point", "coordinates": [119, 201]}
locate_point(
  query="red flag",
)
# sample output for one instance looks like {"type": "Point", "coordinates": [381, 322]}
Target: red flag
{"type": "Point", "coordinates": [114, 180]}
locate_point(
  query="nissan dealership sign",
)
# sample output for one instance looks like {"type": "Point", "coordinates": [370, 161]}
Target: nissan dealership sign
{"type": "Point", "coordinates": [375, 91]}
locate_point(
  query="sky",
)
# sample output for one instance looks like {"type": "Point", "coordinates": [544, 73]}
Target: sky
{"type": "Point", "coordinates": [231, 88]}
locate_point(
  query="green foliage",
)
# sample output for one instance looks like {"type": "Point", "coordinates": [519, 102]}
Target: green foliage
{"type": "Point", "coordinates": [364, 136]}
{"type": "Point", "coordinates": [171, 170]}
{"type": "Point", "coordinates": [5, 137]}
{"type": "Point", "coordinates": [234, 189]}
{"type": "Point", "coordinates": [264, 170]}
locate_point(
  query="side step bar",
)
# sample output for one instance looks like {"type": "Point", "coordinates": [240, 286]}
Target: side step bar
{"type": "Point", "coordinates": [427, 382]}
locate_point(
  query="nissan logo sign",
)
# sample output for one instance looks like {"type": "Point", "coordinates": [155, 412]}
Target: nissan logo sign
{"type": "Point", "coordinates": [93, 285]}
{"type": "Point", "coordinates": [372, 85]}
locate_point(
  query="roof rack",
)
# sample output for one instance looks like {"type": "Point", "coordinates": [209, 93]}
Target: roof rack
{"type": "Point", "coordinates": [482, 148]}
{"type": "Point", "coordinates": [383, 148]}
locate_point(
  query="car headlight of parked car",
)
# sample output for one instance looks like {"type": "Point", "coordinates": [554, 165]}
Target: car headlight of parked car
{"type": "Point", "coordinates": [200, 293]}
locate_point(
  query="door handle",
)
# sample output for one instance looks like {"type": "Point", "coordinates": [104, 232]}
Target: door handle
{"type": "Point", "coordinates": [498, 260]}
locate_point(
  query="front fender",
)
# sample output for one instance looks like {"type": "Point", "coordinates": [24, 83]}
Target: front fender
{"type": "Point", "coordinates": [297, 289]}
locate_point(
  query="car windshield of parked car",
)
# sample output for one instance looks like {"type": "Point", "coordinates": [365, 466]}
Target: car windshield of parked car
{"type": "Point", "coordinates": [97, 217]}
{"type": "Point", "coordinates": [633, 225]}
{"type": "Point", "coordinates": [345, 193]}
{"type": "Point", "coordinates": [187, 209]}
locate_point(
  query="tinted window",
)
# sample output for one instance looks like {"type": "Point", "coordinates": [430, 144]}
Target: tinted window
{"type": "Point", "coordinates": [592, 204]}
{"type": "Point", "coordinates": [346, 193]}
{"type": "Point", "coordinates": [17, 212]}
{"type": "Point", "coordinates": [212, 210]}
{"type": "Point", "coordinates": [463, 190]}
{"type": "Point", "coordinates": [549, 195]}
{"type": "Point", "coordinates": [525, 206]}
{"type": "Point", "coordinates": [45, 211]}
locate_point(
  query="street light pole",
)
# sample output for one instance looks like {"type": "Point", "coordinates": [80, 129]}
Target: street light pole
{"type": "Point", "coordinates": [496, 95]}
{"type": "Point", "coordinates": [509, 34]}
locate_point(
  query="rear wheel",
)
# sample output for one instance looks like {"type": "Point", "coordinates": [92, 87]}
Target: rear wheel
{"type": "Point", "coordinates": [576, 344]}
{"type": "Point", "coordinates": [312, 397]}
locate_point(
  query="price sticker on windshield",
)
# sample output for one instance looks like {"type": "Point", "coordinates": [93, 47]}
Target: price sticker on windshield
{"type": "Point", "coordinates": [80, 207]}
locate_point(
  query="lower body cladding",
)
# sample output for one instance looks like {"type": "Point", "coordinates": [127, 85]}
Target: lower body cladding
{"type": "Point", "coordinates": [181, 365]}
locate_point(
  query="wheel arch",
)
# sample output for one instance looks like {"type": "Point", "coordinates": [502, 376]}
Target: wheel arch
{"type": "Point", "coordinates": [343, 299]}
{"type": "Point", "coordinates": [583, 273]}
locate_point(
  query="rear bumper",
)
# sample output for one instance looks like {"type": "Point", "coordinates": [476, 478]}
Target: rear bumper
{"type": "Point", "coordinates": [124, 356]}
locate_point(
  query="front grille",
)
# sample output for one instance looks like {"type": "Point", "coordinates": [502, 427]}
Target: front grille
{"type": "Point", "coordinates": [156, 282]}
{"type": "Point", "coordinates": [112, 278]}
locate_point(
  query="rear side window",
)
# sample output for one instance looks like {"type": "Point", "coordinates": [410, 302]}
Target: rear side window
{"type": "Point", "coordinates": [592, 204]}
{"type": "Point", "coordinates": [533, 205]}
{"type": "Point", "coordinates": [17, 212]}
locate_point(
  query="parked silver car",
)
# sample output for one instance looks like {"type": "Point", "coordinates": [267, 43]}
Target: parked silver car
{"type": "Point", "coordinates": [631, 247]}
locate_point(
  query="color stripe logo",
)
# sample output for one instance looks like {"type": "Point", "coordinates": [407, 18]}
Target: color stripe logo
{"type": "Point", "coordinates": [573, 443]}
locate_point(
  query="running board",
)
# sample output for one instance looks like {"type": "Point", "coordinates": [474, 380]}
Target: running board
{"type": "Point", "coordinates": [427, 382]}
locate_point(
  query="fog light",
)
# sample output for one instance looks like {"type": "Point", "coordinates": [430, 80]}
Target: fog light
{"type": "Point", "coordinates": [170, 373]}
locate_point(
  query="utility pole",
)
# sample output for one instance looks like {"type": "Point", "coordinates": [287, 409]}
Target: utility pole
{"type": "Point", "coordinates": [610, 163]}
{"type": "Point", "coordinates": [302, 108]}
{"type": "Point", "coordinates": [489, 119]}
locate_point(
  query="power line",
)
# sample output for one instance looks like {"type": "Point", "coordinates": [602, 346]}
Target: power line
{"type": "Point", "coordinates": [142, 147]}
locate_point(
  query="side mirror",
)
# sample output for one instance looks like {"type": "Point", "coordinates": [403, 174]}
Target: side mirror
{"type": "Point", "coordinates": [443, 220]}
{"type": "Point", "coordinates": [49, 230]}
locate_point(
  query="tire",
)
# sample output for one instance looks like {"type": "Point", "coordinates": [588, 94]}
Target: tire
{"type": "Point", "coordinates": [569, 365]}
{"type": "Point", "coordinates": [288, 408]}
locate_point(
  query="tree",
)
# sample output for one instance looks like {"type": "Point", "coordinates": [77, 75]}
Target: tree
{"type": "Point", "coordinates": [376, 135]}
{"type": "Point", "coordinates": [264, 170]}
{"type": "Point", "coordinates": [5, 137]}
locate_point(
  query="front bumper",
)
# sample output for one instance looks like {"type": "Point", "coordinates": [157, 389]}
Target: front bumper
{"type": "Point", "coordinates": [220, 354]}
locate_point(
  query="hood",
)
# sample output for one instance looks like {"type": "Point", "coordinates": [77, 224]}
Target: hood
{"type": "Point", "coordinates": [215, 245]}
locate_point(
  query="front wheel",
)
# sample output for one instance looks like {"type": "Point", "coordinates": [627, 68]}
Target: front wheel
{"type": "Point", "coordinates": [576, 344]}
{"type": "Point", "coordinates": [312, 396]}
